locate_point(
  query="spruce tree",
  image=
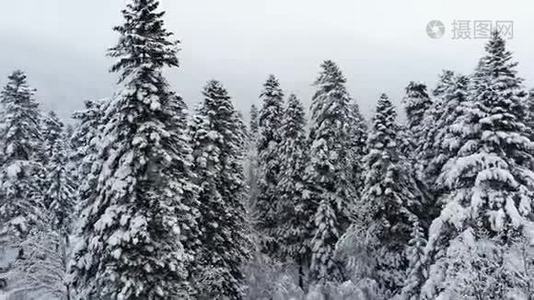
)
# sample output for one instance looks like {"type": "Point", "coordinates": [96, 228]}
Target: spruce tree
{"type": "Point", "coordinates": [446, 140]}
{"type": "Point", "coordinates": [419, 110]}
{"type": "Point", "coordinates": [85, 144]}
{"type": "Point", "coordinates": [358, 146]}
{"type": "Point", "coordinates": [47, 249]}
{"type": "Point", "coordinates": [386, 215]}
{"type": "Point", "coordinates": [389, 199]}
{"type": "Point", "coordinates": [445, 79]}
{"type": "Point", "coordinates": [254, 122]}
{"type": "Point", "coordinates": [434, 112]}
{"type": "Point", "coordinates": [488, 209]}
{"type": "Point", "coordinates": [416, 105]}
{"type": "Point", "coordinates": [433, 123]}
{"type": "Point", "coordinates": [329, 172]}
{"type": "Point", "coordinates": [441, 143]}
{"type": "Point", "coordinates": [59, 195]}
{"type": "Point", "coordinates": [21, 195]}
{"type": "Point", "coordinates": [218, 146]}
{"type": "Point", "coordinates": [22, 207]}
{"type": "Point", "coordinates": [252, 161]}
{"type": "Point", "coordinates": [134, 224]}
{"type": "Point", "coordinates": [296, 211]}
{"type": "Point", "coordinates": [270, 119]}
{"type": "Point", "coordinates": [60, 201]}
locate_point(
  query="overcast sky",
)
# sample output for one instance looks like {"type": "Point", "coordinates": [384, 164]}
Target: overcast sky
{"type": "Point", "coordinates": [380, 45]}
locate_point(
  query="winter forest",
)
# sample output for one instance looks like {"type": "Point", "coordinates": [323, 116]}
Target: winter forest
{"type": "Point", "coordinates": [143, 198]}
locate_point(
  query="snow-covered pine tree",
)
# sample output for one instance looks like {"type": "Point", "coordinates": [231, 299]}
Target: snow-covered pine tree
{"type": "Point", "coordinates": [358, 147]}
{"type": "Point", "coordinates": [416, 105]}
{"type": "Point", "coordinates": [72, 166]}
{"type": "Point", "coordinates": [446, 139]}
{"type": "Point", "coordinates": [445, 79]}
{"type": "Point", "coordinates": [389, 199]}
{"type": "Point", "coordinates": [420, 113]}
{"type": "Point", "coordinates": [59, 195]}
{"type": "Point", "coordinates": [329, 172]}
{"type": "Point", "coordinates": [134, 224]}
{"type": "Point", "coordinates": [441, 143]}
{"type": "Point", "coordinates": [270, 119]}
{"type": "Point", "coordinates": [218, 146]}
{"type": "Point", "coordinates": [87, 129]}
{"type": "Point", "coordinates": [252, 161]}
{"type": "Point", "coordinates": [489, 207]}
{"type": "Point", "coordinates": [21, 198]}
{"type": "Point", "coordinates": [84, 149]}
{"type": "Point", "coordinates": [254, 122]}
{"type": "Point", "coordinates": [295, 208]}
{"type": "Point", "coordinates": [428, 150]}
{"type": "Point", "coordinates": [386, 215]}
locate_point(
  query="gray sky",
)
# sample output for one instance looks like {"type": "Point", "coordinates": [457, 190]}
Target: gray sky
{"type": "Point", "coordinates": [380, 45]}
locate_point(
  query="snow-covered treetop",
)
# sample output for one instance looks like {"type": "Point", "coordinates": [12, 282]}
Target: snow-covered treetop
{"type": "Point", "coordinates": [294, 120]}
{"type": "Point", "coordinates": [330, 103]}
{"type": "Point", "coordinates": [271, 89]}
{"type": "Point", "coordinates": [217, 107]}
{"type": "Point", "coordinates": [444, 81]}
{"type": "Point", "coordinates": [215, 95]}
{"type": "Point", "coordinates": [17, 88]}
{"type": "Point", "coordinates": [143, 39]}
{"type": "Point", "coordinates": [272, 98]}
{"type": "Point", "coordinates": [416, 102]}
{"type": "Point", "coordinates": [21, 118]}
{"type": "Point", "coordinates": [384, 124]}
{"type": "Point", "coordinates": [497, 63]}
{"type": "Point", "coordinates": [54, 133]}
{"type": "Point", "coordinates": [497, 89]}
{"type": "Point", "coordinates": [330, 76]}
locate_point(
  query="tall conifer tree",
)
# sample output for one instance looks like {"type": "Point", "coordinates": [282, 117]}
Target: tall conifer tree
{"type": "Point", "coordinates": [270, 119]}
{"type": "Point", "coordinates": [22, 206]}
{"type": "Point", "coordinates": [329, 172]}
{"type": "Point", "coordinates": [295, 209]}
{"type": "Point", "coordinates": [218, 144]}
{"type": "Point", "coordinates": [139, 214]}
{"type": "Point", "coordinates": [358, 146]}
{"type": "Point", "coordinates": [59, 195]}
{"type": "Point", "coordinates": [379, 237]}
{"type": "Point", "coordinates": [487, 213]}
{"type": "Point", "coordinates": [21, 194]}
{"type": "Point", "coordinates": [252, 161]}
